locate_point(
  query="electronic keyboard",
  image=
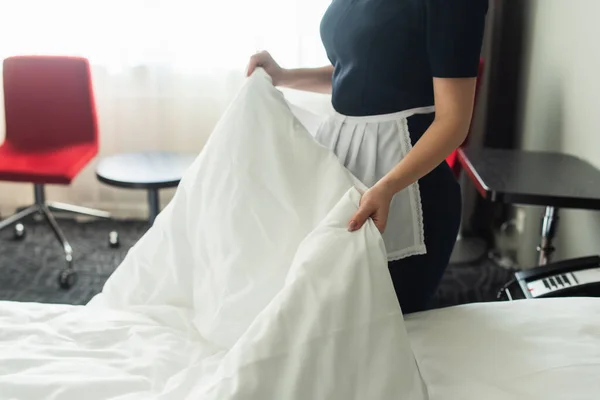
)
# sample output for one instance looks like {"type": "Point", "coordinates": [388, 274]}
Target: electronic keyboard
{"type": "Point", "coordinates": [570, 278]}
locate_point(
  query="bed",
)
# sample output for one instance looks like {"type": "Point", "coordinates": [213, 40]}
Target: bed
{"type": "Point", "coordinates": [537, 349]}
{"type": "Point", "coordinates": [531, 349]}
{"type": "Point", "coordinates": [249, 287]}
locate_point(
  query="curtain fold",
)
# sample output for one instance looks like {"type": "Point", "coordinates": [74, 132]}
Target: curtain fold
{"type": "Point", "coordinates": [164, 71]}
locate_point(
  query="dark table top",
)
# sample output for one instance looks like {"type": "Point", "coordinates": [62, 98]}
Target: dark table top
{"type": "Point", "coordinates": [144, 170]}
{"type": "Point", "coordinates": [533, 178]}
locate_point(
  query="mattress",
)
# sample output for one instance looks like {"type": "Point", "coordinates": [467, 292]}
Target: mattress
{"type": "Point", "coordinates": [536, 349]}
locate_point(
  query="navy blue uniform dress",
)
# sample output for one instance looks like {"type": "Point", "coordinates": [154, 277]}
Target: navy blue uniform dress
{"type": "Point", "coordinates": [385, 54]}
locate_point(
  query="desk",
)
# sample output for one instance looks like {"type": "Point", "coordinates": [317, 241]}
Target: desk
{"type": "Point", "coordinates": [551, 180]}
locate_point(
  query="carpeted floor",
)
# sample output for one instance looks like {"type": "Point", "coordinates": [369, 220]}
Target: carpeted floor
{"type": "Point", "coordinates": [29, 268]}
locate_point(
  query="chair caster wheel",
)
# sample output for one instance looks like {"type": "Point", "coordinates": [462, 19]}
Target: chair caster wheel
{"type": "Point", "coordinates": [113, 240]}
{"type": "Point", "coordinates": [19, 232]}
{"type": "Point", "coordinates": [67, 278]}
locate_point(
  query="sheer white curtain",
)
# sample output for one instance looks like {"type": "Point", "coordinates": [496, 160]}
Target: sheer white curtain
{"type": "Point", "coordinates": [164, 70]}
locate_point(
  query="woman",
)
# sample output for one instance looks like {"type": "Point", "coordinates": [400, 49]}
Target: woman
{"type": "Point", "coordinates": [402, 80]}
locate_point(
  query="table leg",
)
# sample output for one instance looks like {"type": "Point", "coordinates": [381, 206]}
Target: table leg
{"type": "Point", "coordinates": [153, 205]}
{"type": "Point", "coordinates": [549, 226]}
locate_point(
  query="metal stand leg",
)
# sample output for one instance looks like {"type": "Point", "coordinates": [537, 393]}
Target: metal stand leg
{"type": "Point", "coordinates": [88, 212]}
{"type": "Point", "coordinates": [549, 226]}
{"type": "Point", "coordinates": [19, 216]}
{"type": "Point", "coordinates": [153, 205]}
{"type": "Point", "coordinates": [67, 276]}
{"type": "Point", "coordinates": [59, 235]}
{"type": "Point", "coordinates": [39, 194]}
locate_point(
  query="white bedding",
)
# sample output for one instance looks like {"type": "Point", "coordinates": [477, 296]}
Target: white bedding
{"type": "Point", "coordinates": [526, 350]}
{"type": "Point", "coordinates": [530, 350]}
{"type": "Point", "coordinates": [249, 287]}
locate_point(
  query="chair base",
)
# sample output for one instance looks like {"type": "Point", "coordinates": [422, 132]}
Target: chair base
{"type": "Point", "coordinates": [67, 277]}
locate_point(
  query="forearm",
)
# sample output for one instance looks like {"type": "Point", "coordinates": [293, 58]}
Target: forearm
{"type": "Point", "coordinates": [316, 80]}
{"type": "Point", "coordinates": [436, 144]}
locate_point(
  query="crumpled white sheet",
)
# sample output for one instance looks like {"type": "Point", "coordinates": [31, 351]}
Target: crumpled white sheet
{"type": "Point", "coordinates": [254, 243]}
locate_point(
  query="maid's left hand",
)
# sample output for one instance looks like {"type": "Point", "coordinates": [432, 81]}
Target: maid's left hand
{"type": "Point", "coordinates": [374, 204]}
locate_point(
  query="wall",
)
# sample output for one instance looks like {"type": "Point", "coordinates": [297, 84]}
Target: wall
{"type": "Point", "coordinates": [560, 108]}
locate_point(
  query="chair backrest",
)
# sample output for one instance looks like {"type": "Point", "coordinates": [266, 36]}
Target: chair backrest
{"type": "Point", "coordinates": [49, 102]}
{"type": "Point", "coordinates": [452, 159]}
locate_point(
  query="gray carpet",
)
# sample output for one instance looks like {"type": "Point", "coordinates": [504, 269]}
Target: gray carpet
{"type": "Point", "coordinates": [29, 268]}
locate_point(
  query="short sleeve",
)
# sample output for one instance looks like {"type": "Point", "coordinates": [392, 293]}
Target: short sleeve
{"type": "Point", "coordinates": [454, 30]}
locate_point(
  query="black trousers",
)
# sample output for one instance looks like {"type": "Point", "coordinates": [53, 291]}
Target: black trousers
{"type": "Point", "coordinates": [417, 278]}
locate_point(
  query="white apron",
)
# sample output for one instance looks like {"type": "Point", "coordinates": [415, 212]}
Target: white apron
{"type": "Point", "coordinates": [370, 147]}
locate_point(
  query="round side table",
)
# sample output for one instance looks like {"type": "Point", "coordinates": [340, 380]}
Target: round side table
{"type": "Point", "coordinates": [150, 171]}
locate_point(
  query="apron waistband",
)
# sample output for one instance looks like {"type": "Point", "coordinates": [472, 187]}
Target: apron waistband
{"type": "Point", "coordinates": [383, 117]}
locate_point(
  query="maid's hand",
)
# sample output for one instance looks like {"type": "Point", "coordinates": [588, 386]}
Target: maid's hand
{"type": "Point", "coordinates": [374, 204]}
{"type": "Point", "coordinates": [265, 61]}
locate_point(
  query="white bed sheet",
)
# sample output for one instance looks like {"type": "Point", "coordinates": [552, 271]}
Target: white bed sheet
{"type": "Point", "coordinates": [282, 301]}
{"type": "Point", "coordinates": [53, 352]}
{"type": "Point", "coordinates": [529, 350]}
{"type": "Point", "coordinates": [526, 350]}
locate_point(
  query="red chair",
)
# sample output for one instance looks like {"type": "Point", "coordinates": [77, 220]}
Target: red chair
{"type": "Point", "coordinates": [452, 159]}
{"type": "Point", "coordinates": [51, 135]}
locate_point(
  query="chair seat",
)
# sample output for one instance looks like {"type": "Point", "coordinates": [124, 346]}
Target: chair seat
{"type": "Point", "coordinates": [56, 166]}
{"type": "Point", "coordinates": [452, 161]}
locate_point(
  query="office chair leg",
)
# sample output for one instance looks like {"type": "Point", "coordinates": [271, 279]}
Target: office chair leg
{"type": "Point", "coordinates": [19, 216]}
{"type": "Point", "coordinates": [88, 212]}
{"type": "Point", "coordinates": [113, 237]}
{"type": "Point", "coordinates": [67, 277]}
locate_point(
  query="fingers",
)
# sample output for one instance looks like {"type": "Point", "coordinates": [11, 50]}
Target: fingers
{"type": "Point", "coordinates": [256, 60]}
{"type": "Point", "coordinates": [359, 218]}
{"type": "Point", "coordinates": [251, 66]}
{"type": "Point", "coordinates": [368, 209]}
{"type": "Point", "coordinates": [379, 223]}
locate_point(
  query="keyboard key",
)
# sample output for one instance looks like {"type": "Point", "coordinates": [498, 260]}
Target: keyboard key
{"type": "Point", "coordinates": [574, 278]}
{"type": "Point", "coordinates": [566, 279]}
{"type": "Point", "coordinates": [553, 282]}
{"type": "Point", "coordinates": [546, 283]}
{"type": "Point", "coordinates": [559, 280]}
